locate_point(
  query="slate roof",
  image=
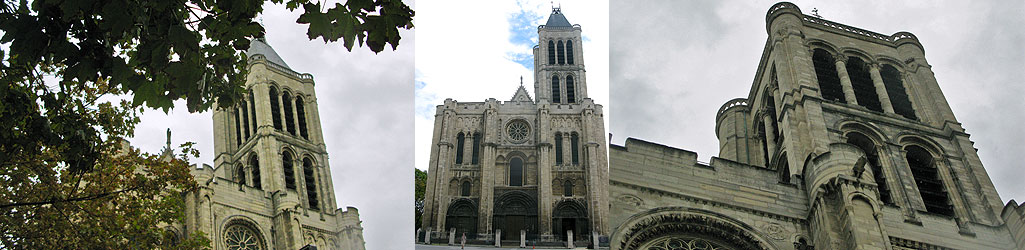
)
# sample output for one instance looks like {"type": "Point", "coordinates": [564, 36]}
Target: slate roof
{"type": "Point", "coordinates": [557, 19]}
{"type": "Point", "coordinates": [260, 47]}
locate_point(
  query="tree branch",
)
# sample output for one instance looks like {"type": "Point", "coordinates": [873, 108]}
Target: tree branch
{"type": "Point", "coordinates": [52, 201]}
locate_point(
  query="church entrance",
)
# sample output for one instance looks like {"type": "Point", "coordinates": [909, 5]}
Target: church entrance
{"type": "Point", "coordinates": [462, 215]}
{"type": "Point", "coordinates": [516, 211]}
{"type": "Point", "coordinates": [570, 215]}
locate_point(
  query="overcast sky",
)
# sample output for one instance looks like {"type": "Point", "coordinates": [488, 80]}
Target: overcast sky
{"type": "Point", "coordinates": [365, 103]}
{"type": "Point", "coordinates": [471, 51]}
{"type": "Point", "coordinates": [675, 62]}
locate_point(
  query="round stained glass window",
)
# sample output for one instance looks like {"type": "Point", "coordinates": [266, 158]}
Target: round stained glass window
{"type": "Point", "coordinates": [518, 130]}
{"type": "Point", "coordinates": [677, 243]}
{"type": "Point", "coordinates": [239, 237]}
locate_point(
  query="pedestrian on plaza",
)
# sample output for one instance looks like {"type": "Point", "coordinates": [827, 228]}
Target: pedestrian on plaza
{"type": "Point", "coordinates": [462, 242]}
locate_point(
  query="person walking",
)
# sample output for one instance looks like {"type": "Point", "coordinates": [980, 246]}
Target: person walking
{"type": "Point", "coordinates": [462, 242]}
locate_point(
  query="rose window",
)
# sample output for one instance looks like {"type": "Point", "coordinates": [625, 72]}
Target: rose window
{"type": "Point", "coordinates": [676, 243]}
{"type": "Point", "coordinates": [518, 130]}
{"type": "Point", "coordinates": [239, 237]}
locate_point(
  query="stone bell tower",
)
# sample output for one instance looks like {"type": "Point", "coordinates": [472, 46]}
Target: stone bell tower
{"type": "Point", "coordinates": [270, 186]}
{"type": "Point", "coordinates": [559, 61]}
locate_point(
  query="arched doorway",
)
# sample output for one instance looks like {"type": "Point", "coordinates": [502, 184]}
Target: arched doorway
{"type": "Point", "coordinates": [686, 228]}
{"type": "Point", "coordinates": [462, 215]}
{"type": "Point", "coordinates": [515, 211]}
{"type": "Point", "coordinates": [570, 215]}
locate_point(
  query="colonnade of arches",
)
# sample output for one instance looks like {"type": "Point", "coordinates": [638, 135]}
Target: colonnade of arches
{"type": "Point", "coordinates": [853, 79]}
{"type": "Point", "coordinates": [288, 114]}
{"type": "Point", "coordinates": [571, 89]}
{"type": "Point", "coordinates": [560, 52]}
{"type": "Point", "coordinates": [248, 174]}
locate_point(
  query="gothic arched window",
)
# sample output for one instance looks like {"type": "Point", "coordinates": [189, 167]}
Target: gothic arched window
{"type": "Point", "coordinates": [238, 128]}
{"type": "Point", "coordinates": [240, 175]}
{"type": "Point", "coordinates": [300, 110]}
{"type": "Point", "coordinates": [516, 172]}
{"type": "Point", "coordinates": [287, 165]}
{"type": "Point", "coordinates": [567, 189]}
{"type": "Point", "coordinates": [571, 96]}
{"type": "Point", "coordinates": [561, 56]}
{"type": "Point", "coordinates": [558, 148]}
{"type": "Point", "coordinates": [254, 164]}
{"type": "Point", "coordinates": [783, 168]}
{"type": "Point", "coordinates": [465, 188]}
{"type": "Point", "coordinates": [252, 109]}
{"type": "Point", "coordinates": [460, 143]}
{"type": "Point", "coordinates": [275, 108]}
{"type": "Point", "coordinates": [864, 89]}
{"type": "Point", "coordinates": [829, 79]}
{"type": "Point", "coordinates": [551, 52]}
{"type": "Point", "coordinates": [872, 155]}
{"type": "Point", "coordinates": [311, 184]}
{"type": "Point", "coordinates": [895, 89]}
{"type": "Point", "coordinates": [569, 51]}
{"type": "Point", "coordinates": [245, 120]}
{"type": "Point", "coordinates": [930, 187]}
{"type": "Point", "coordinates": [476, 149]}
{"type": "Point", "coordinates": [574, 142]}
{"type": "Point", "coordinates": [555, 90]}
{"type": "Point", "coordinates": [289, 117]}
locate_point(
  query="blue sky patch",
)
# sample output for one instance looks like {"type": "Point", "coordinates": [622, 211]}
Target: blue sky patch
{"type": "Point", "coordinates": [523, 33]}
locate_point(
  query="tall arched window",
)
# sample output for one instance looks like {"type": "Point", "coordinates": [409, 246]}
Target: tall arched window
{"type": "Point", "coordinates": [783, 168]}
{"type": "Point", "coordinates": [476, 148]}
{"type": "Point", "coordinates": [254, 164]}
{"type": "Point", "coordinates": [465, 188]}
{"type": "Point", "coordinates": [571, 96]}
{"type": "Point", "coordinates": [872, 155]}
{"type": "Point", "coordinates": [561, 56]}
{"type": "Point", "coordinates": [311, 184]}
{"type": "Point", "coordinates": [569, 51]}
{"type": "Point", "coordinates": [864, 89]}
{"type": "Point", "coordinates": [567, 188]}
{"type": "Point", "coordinates": [460, 143]}
{"type": "Point", "coordinates": [245, 120]}
{"type": "Point", "coordinates": [289, 118]}
{"type": "Point", "coordinates": [275, 108]}
{"type": "Point", "coordinates": [556, 93]}
{"type": "Point", "coordinates": [551, 52]}
{"type": "Point", "coordinates": [252, 109]}
{"type": "Point", "coordinates": [516, 172]}
{"type": "Point", "coordinates": [895, 89]}
{"type": "Point", "coordinates": [829, 80]}
{"type": "Point", "coordinates": [558, 148]}
{"type": "Point", "coordinates": [287, 165]}
{"type": "Point", "coordinates": [930, 187]}
{"type": "Point", "coordinates": [238, 128]}
{"type": "Point", "coordinates": [240, 174]}
{"type": "Point", "coordinates": [574, 142]}
{"type": "Point", "coordinates": [300, 110]}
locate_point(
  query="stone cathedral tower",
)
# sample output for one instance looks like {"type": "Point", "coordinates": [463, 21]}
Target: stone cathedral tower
{"type": "Point", "coordinates": [845, 141]}
{"type": "Point", "coordinates": [537, 166]}
{"type": "Point", "coordinates": [270, 186]}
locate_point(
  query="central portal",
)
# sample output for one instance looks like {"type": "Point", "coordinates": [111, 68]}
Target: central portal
{"type": "Point", "coordinates": [516, 210]}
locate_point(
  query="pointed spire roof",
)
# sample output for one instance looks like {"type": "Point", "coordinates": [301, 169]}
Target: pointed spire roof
{"type": "Point", "coordinates": [259, 46]}
{"type": "Point", "coordinates": [557, 19]}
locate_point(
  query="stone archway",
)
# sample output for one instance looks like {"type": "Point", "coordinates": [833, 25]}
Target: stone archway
{"type": "Point", "coordinates": [671, 228]}
{"type": "Point", "coordinates": [515, 211]}
{"type": "Point", "coordinates": [462, 215]}
{"type": "Point", "coordinates": [570, 215]}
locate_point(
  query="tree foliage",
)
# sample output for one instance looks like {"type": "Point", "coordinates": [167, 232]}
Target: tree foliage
{"type": "Point", "coordinates": [421, 188]}
{"type": "Point", "coordinates": [67, 182]}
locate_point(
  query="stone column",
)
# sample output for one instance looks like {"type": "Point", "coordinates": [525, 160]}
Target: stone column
{"type": "Point", "coordinates": [770, 136]}
{"type": "Point", "coordinates": [295, 114]}
{"type": "Point", "coordinates": [281, 111]}
{"type": "Point", "coordinates": [845, 80]}
{"type": "Point", "coordinates": [877, 81]}
{"type": "Point", "coordinates": [251, 109]}
{"type": "Point", "coordinates": [545, 165]}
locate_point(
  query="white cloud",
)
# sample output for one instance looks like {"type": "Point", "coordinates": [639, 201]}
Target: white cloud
{"type": "Point", "coordinates": [464, 48]}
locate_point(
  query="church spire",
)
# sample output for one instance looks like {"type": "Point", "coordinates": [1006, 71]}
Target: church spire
{"type": "Point", "coordinates": [557, 19]}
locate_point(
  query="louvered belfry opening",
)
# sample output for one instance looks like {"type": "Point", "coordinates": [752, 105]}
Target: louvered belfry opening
{"type": "Point", "coordinates": [300, 110]}
{"type": "Point", "coordinates": [275, 108]}
{"type": "Point", "coordinates": [895, 90]}
{"type": "Point", "coordinates": [551, 52]}
{"type": "Point", "coordinates": [558, 148]}
{"type": "Point", "coordinates": [476, 149]}
{"type": "Point", "coordinates": [460, 142]}
{"type": "Point", "coordinates": [289, 116]}
{"type": "Point", "coordinates": [829, 80]}
{"type": "Point", "coordinates": [571, 96]}
{"type": "Point", "coordinates": [569, 52]}
{"type": "Point", "coordinates": [930, 187]}
{"type": "Point", "coordinates": [872, 155]}
{"type": "Point", "coordinates": [289, 171]}
{"type": "Point", "coordinates": [311, 184]}
{"type": "Point", "coordinates": [555, 90]}
{"type": "Point", "coordinates": [861, 81]}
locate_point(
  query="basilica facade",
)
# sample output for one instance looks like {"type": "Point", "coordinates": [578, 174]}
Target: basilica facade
{"type": "Point", "coordinates": [844, 141]}
{"type": "Point", "coordinates": [531, 167]}
{"type": "Point", "coordinates": [270, 186]}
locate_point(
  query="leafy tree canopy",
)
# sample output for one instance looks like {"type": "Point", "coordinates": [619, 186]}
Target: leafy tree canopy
{"type": "Point", "coordinates": [67, 182]}
{"type": "Point", "coordinates": [421, 189]}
